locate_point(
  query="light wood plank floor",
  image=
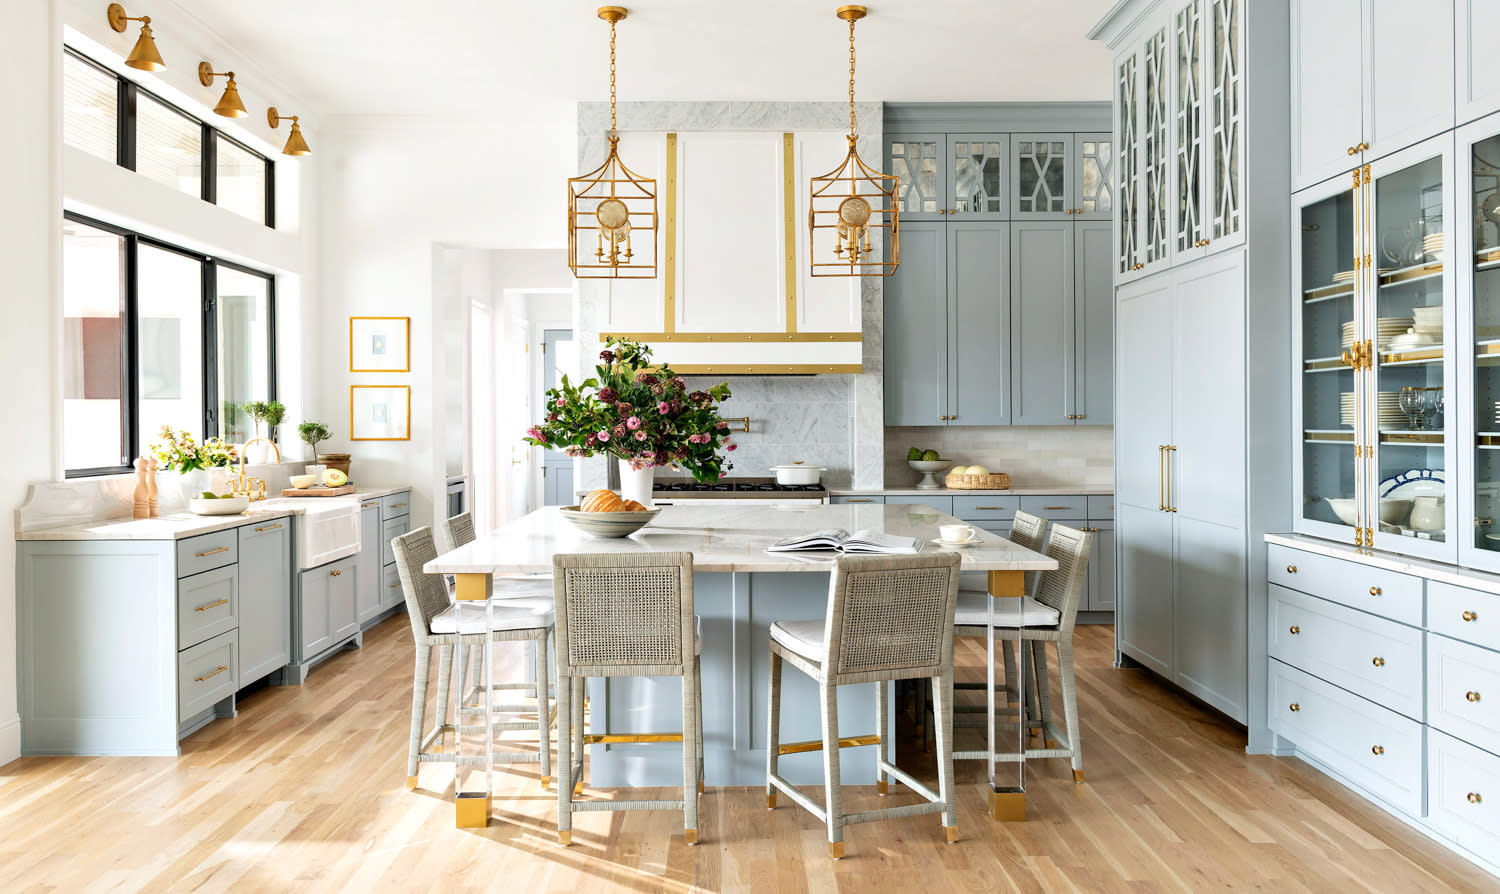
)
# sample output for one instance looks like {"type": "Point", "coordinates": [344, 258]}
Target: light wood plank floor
{"type": "Point", "coordinates": [306, 789]}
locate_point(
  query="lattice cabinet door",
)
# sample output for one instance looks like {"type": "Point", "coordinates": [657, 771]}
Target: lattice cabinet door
{"type": "Point", "coordinates": [1189, 179]}
{"type": "Point", "coordinates": [1094, 186]}
{"type": "Point", "coordinates": [921, 163]}
{"type": "Point", "coordinates": [1128, 190]}
{"type": "Point", "coordinates": [1156, 148]}
{"type": "Point", "coordinates": [1223, 29]}
{"type": "Point", "coordinates": [977, 176]}
{"type": "Point", "coordinates": [1042, 174]}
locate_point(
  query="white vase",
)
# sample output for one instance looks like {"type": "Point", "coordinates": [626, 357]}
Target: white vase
{"type": "Point", "coordinates": [193, 484]}
{"type": "Point", "coordinates": [635, 484]}
{"type": "Point", "coordinates": [258, 454]}
{"type": "Point", "coordinates": [1427, 514]}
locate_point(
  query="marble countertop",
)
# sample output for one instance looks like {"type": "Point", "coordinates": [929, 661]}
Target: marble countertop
{"type": "Point", "coordinates": [961, 492]}
{"type": "Point", "coordinates": [723, 537]}
{"type": "Point", "coordinates": [1438, 571]}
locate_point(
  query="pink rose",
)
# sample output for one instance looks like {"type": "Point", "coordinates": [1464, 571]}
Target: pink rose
{"type": "Point", "coordinates": [732, 446]}
{"type": "Point", "coordinates": [663, 408]}
{"type": "Point", "coordinates": [633, 423]}
{"type": "Point", "coordinates": [640, 436]}
{"type": "Point", "coordinates": [561, 402]}
{"type": "Point", "coordinates": [602, 435]}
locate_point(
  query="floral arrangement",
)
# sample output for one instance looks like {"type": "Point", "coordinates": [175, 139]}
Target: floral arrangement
{"type": "Point", "coordinates": [178, 451]}
{"type": "Point", "coordinates": [638, 411]}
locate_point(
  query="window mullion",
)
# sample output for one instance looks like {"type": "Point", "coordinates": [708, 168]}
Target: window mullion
{"type": "Point", "coordinates": [210, 161]}
{"type": "Point", "coordinates": [212, 423]}
{"type": "Point", "coordinates": [126, 124]}
{"type": "Point", "coordinates": [133, 445]}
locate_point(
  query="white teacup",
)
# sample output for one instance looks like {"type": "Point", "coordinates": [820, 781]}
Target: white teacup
{"type": "Point", "coordinates": [957, 533]}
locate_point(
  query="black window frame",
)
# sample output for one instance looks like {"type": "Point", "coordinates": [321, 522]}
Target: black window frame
{"type": "Point", "coordinates": [127, 98]}
{"type": "Point", "coordinates": [132, 444]}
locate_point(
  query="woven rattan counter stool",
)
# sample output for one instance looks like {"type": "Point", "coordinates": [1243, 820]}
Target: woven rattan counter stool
{"type": "Point", "coordinates": [889, 618]}
{"type": "Point", "coordinates": [435, 621]}
{"type": "Point", "coordinates": [625, 616]}
{"type": "Point", "coordinates": [1035, 621]}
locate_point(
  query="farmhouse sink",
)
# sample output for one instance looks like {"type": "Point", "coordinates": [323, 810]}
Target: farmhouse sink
{"type": "Point", "coordinates": [327, 528]}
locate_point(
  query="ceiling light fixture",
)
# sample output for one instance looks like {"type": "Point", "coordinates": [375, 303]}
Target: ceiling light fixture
{"type": "Point", "coordinates": [853, 202]}
{"type": "Point", "coordinates": [295, 145]}
{"type": "Point", "coordinates": [230, 105]}
{"type": "Point", "coordinates": [613, 203]}
{"type": "Point", "coordinates": [143, 55]}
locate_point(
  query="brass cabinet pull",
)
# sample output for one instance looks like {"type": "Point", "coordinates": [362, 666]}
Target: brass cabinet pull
{"type": "Point", "coordinates": [1470, 616]}
{"type": "Point", "coordinates": [1377, 750]}
{"type": "Point", "coordinates": [369, 505]}
{"type": "Point", "coordinates": [1200, 243]}
{"type": "Point", "coordinates": [204, 608]}
{"type": "Point", "coordinates": [1294, 629]}
{"type": "Point", "coordinates": [394, 586]}
{"type": "Point", "coordinates": [1295, 707]}
{"type": "Point", "coordinates": [1375, 591]}
{"type": "Point", "coordinates": [222, 669]}
{"type": "Point", "coordinates": [1378, 661]}
{"type": "Point", "coordinates": [1171, 506]}
{"type": "Point", "coordinates": [335, 573]}
{"type": "Point", "coordinates": [852, 500]}
{"type": "Point", "coordinates": [212, 552]}
{"type": "Point", "coordinates": [1291, 569]}
{"type": "Point", "coordinates": [1472, 696]}
{"type": "Point", "coordinates": [1057, 507]}
{"type": "Point", "coordinates": [276, 527]}
{"type": "Point", "coordinates": [1081, 416]}
{"type": "Point", "coordinates": [1474, 798]}
{"type": "Point", "coordinates": [397, 505]}
{"type": "Point", "coordinates": [1161, 484]}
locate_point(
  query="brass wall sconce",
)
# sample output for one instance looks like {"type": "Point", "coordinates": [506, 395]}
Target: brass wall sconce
{"type": "Point", "coordinates": [295, 144]}
{"type": "Point", "coordinates": [230, 105]}
{"type": "Point", "coordinates": [143, 55]}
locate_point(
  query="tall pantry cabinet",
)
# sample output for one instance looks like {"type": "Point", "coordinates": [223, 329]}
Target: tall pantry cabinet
{"type": "Point", "coordinates": [1202, 338]}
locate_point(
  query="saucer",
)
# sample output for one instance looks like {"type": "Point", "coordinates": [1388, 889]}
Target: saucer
{"type": "Point", "coordinates": [957, 544]}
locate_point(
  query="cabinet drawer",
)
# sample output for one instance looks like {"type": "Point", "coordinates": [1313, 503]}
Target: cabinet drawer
{"type": "Point", "coordinates": [390, 587]}
{"type": "Point", "coordinates": [856, 498]}
{"type": "Point", "coordinates": [390, 529]}
{"type": "Point", "coordinates": [207, 673]}
{"type": "Point", "coordinates": [942, 504]}
{"type": "Point", "coordinates": [1374, 748]}
{"type": "Point", "coordinates": [1378, 659]}
{"type": "Point", "coordinates": [207, 551]}
{"type": "Point", "coordinates": [1463, 793]}
{"type": "Point", "coordinates": [1463, 692]}
{"type": "Point", "coordinates": [395, 504]}
{"type": "Point", "coordinates": [1469, 615]}
{"type": "Point", "coordinates": [1073, 508]}
{"type": "Point", "coordinates": [996, 508]}
{"type": "Point", "coordinates": [1101, 507]}
{"type": "Point", "coordinates": [1375, 590]}
{"type": "Point", "coordinates": [208, 604]}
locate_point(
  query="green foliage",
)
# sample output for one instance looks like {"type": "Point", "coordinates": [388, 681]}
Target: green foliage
{"type": "Point", "coordinates": [312, 433]}
{"type": "Point", "coordinates": [275, 414]}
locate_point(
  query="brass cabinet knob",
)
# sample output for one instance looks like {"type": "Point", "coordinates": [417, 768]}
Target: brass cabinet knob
{"type": "Point", "coordinates": [1374, 591]}
{"type": "Point", "coordinates": [1291, 569]}
{"type": "Point", "coordinates": [1377, 750]}
{"type": "Point", "coordinates": [1295, 629]}
{"type": "Point", "coordinates": [1378, 661]}
{"type": "Point", "coordinates": [1471, 696]}
{"type": "Point", "coordinates": [1470, 616]}
{"type": "Point", "coordinates": [1295, 707]}
{"type": "Point", "coordinates": [1474, 798]}
{"type": "Point", "coordinates": [1351, 150]}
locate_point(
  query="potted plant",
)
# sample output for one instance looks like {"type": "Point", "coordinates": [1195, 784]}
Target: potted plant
{"type": "Point", "coordinates": [312, 434]}
{"type": "Point", "coordinates": [642, 414]}
{"type": "Point", "coordinates": [271, 413]}
{"type": "Point", "coordinates": [177, 451]}
{"type": "Point", "coordinates": [275, 415]}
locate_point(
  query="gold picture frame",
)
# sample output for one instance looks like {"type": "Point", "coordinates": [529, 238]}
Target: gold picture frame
{"type": "Point", "coordinates": [374, 339]}
{"type": "Point", "coordinates": [380, 412]}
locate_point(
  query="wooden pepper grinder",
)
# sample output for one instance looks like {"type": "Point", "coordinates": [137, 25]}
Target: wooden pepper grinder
{"type": "Point", "coordinates": [142, 495]}
{"type": "Point", "coordinates": [153, 493]}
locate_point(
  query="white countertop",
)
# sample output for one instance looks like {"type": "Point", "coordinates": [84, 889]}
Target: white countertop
{"type": "Point", "coordinates": [1438, 571]}
{"type": "Point", "coordinates": [723, 536]}
{"type": "Point", "coordinates": [962, 492]}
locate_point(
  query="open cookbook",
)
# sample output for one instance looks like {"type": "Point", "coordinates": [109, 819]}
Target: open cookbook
{"type": "Point", "coordinates": [839, 540]}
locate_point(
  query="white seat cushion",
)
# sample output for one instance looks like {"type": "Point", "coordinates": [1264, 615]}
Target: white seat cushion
{"type": "Point", "coordinates": [523, 588]}
{"type": "Point", "coordinates": [972, 609]}
{"type": "Point", "coordinates": [511, 614]}
{"type": "Point", "coordinates": [802, 637]}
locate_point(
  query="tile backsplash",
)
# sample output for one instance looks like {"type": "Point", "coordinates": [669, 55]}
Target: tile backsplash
{"type": "Point", "coordinates": [1034, 456]}
{"type": "Point", "coordinates": [792, 418]}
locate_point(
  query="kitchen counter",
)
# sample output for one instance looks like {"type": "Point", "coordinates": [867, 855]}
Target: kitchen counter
{"type": "Point", "coordinates": [1093, 491]}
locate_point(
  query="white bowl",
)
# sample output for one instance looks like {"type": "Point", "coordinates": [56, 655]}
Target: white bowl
{"type": "Point", "coordinates": [1392, 511]}
{"type": "Point", "coordinates": [225, 506]}
{"type": "Point", "coordinates": [302, 482]}
{"type": "Point", "coordinates": [608, 524]}
{"type": "Point", "coordinates": [797, 473]}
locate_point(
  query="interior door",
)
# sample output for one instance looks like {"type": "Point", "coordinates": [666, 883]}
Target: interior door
{"type": "Point", "coordinates": [916, 315]}
{"type": "Point", "coordinates": [979, 328]}
{"type": "Point", "coordinates": [1043, 319]}
{"type": "Point", "coordinates": [558, 352]}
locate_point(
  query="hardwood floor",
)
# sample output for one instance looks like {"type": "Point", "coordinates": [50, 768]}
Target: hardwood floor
{"type": "Point", "coordinates": [306, 789]}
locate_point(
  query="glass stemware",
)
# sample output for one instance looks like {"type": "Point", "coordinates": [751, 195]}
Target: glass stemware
{"type": "Point", "coordinates": [1413, 402]}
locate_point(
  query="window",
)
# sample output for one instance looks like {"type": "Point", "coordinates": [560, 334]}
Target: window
{"type": "Point", "coordinates": [156, 335]}
{"type": "Point", "coordinates": [109, 116]}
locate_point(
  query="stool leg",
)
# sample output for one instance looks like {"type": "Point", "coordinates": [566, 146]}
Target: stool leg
{"type": "Point", "coordinates": [773, 736]}
{"type": "Point", "coordinates": [444, 683]}
{"type": "Point", "coordinates": [690, 754]}
{"type": "Point", "coordinates": [564, 759]}
{"type": "Point", "coordinates": [543, 723]}
{"type": "Point", "coordinates": [1070, 705]}
{"type": "Point", "coordinates": [698, 732]}
{"type": "Point", "coordinates": [580, 692]}
{"type": "Point", "coordinates": [833, 796]}
{"type": "Point", "coordinates": [882, 751]}
{"type": "Point", "coordinates": [942, 721]}
{"type": "Point", "coordinates": [418, 710]}
{"type": "Point", "coordinates": [1043, 700]}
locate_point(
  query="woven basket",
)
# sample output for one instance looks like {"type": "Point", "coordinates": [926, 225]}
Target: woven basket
{"type": "Point", "coordinates": [993, 481]}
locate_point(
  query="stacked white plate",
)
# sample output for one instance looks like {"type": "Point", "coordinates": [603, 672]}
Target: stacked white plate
{"type": "Point", "coordinates": [1389, 414]}
{"type": "Point", "coordinates": [1386, 328]}
{"type": "Point", "coordinates": [1428, 320]}
{"type": "Point", "coordinates": [1432, 244]}
{"type": "Point", "coordinates": [1344, 276]}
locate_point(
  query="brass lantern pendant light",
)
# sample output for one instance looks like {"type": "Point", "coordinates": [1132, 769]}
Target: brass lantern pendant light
{"type": "Point", "coordinates": [612, 210]}
{"type": "Point", "coordinates": [852, 205]}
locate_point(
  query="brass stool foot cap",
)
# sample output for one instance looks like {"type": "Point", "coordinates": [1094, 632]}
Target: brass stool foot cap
{"type": "Point", "coordinates": [882, 787]}
{"type": "Point", "coordinates": [691, 835]}
{"type": "Point", "coordinates": [1051, 743]}
{"type": "Point", "coordinates": [546, 784]}
{"type": "Point", "coordinates": [836, 850]}
{"type": "Point", "coordinates": [411, 783]}
{"type": "Point", "coordinates": [771, 801]}
{"type": "Point", "coordinates": [951, 833]}
{"type": "Point", "coordinates": [577, 789]}
{"type": "Point", "coordinates": [1078, 776]}
{"type": "Point", "coordinates": [565, 837]}
{"type": "Point", "coordinates": [700, 786]}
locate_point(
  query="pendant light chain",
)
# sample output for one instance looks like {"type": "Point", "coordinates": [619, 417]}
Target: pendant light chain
{"type": "Point", "coordinates": [853, 128]}
{"type": "Point", "coordinates": [612, 133]}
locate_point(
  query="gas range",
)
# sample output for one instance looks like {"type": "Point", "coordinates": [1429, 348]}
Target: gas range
{"type": "Point", "coordinates": [667, 491]}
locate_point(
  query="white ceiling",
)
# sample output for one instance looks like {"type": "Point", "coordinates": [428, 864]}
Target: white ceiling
{"type": "Point", "coordinates": [480, 56]}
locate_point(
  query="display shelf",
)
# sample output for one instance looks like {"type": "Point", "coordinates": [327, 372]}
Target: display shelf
{"type": "Point", "coordinates": [1328, 293]}
{"type": "Point", "coordinates": [1407, 437]}
{"type": "Point", "coordinates": [1327, 364]}
{"type": "Point", "coordinates": [1417, 357]}
{"type": "Point", "coordinates": [1413, 274]}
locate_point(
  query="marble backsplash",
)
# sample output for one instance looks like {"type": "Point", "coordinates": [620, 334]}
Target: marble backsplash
{"type": "Point", "coordinates": [1034, 456]}
{"type": "Point", "coordinates": [807, 418]}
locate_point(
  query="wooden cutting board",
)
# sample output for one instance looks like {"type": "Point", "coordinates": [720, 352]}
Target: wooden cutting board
{"type": "Point", "coordinates": [319, 491]}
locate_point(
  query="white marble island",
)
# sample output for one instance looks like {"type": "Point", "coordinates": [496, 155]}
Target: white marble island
{"type": "Point", "coordinates": [739, 589]}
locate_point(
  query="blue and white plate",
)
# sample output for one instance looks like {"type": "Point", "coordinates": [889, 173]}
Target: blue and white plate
{"type": "Point", "coordinates": [1414, 483]}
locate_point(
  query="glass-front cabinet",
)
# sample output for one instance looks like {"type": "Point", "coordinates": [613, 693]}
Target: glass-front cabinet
{"type": "Point", "coordinates": [1376, 440]}
{"type": "Point", "coordinates": [1476, 249]}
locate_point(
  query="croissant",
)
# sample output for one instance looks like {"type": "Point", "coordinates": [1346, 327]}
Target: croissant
{"type": "Point", "coordinates": [633, 506]}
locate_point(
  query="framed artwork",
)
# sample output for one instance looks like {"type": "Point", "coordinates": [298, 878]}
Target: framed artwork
{"type": "Point", "coordinates": [379, 412]}
{"type": "Point", "coordinates": [380, 344]}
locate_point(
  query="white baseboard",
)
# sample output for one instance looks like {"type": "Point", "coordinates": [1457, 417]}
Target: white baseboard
{"type": "Point", "coordinates": [10, 740]}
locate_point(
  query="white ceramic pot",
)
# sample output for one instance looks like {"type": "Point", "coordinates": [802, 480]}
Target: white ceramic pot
{"type": "Point", "coordinates": [193, 484]}
{"type": "Point", "coordinates": [1427, 513]}
{"type": "Point", "coordinates": [635, 484]}
{"type": "Point", "coordinates": [258, 454]}
{"type": "Point", "coordinates": [797, 473]}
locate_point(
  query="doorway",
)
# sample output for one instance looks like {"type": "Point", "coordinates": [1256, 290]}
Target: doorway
{"type": "Point", "coordinates": [558, 352]}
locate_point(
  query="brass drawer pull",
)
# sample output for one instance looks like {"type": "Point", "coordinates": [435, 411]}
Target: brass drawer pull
{"type": "Point", "coordinates": [1057, 507]}
{"type": "Point", "coordinates": [276, 527]}
{"type": "Point", "coordinates": [397, 505]}
{"type": "Point", "coordinates": [394, 586]}
{"type": "Point", "coordinates": [860, 501]}
{"type": "Point", "coordinates": [212, 552]}
{"type": "Point", "coordinates": [1378, 661]}
{"type": "Point", "coordinates": [1470, 616]}
{"type": "Point", "coordinates": [1291, 569]}
{"type": "Point", "coordinates": [1374, 591]}
{"type": "Point", "coordinates": [989, 507]}
{"type": "Point", "coordinates": [369, 505]}
{"type": "Point", "coordinates": [1474, 798]}
{"type": "Point", "coordinates": [222, 669]}
{"type": "Point", "coordinates": [335, 573]}
{"type": "Point", "coordinates": [1295, 707]}
{"type": "Point", "coordinates": [1377, 750]}
{"type": "Point", "coordinates": [1295, 629]}
{"type": "Point", "coordinates": [204, 608]}
{"type": "Point", "coordinates": [1472, 696]}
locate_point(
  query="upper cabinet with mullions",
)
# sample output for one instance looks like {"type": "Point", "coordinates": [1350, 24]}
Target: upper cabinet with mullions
{"type": "Point", "coordinates": [1371, 78]}
{"type": "Point", "coordinates": [1003, 176]}
{"type": "Point", "coordinates": [1179, 115]}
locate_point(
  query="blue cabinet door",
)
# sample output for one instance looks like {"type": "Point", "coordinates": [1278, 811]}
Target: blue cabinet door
{"type": "Point", "coordinates": [265, 584]}
{"type": "Point", "coordinates": [1042, 320]}
{"type": "Point", "coordinates": [916, 384]}
{"type": "Point", "coordinates": [368, 595]}
{"type": "Point", "coordinates": [978, 323]}
{"type": "Point", "coordinates": [1094, 322]}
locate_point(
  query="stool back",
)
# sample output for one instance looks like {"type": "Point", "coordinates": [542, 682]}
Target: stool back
{"type": "Point", "coordinates": [1062, 587]}
{"type": "Point", "coordinates": [1029, 531]}
{"type": "Point", "coordinates": [624, 615]}
{"type": "Point", "coordinates": [891, 617]}
{"type": "Point", "coordinates": [459, 530]}
{"type": "Point", "coordinates": [426, 594]}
